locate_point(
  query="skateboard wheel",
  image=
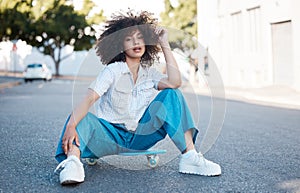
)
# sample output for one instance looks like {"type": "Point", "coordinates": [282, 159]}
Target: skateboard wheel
{"type": "Point", "coordinates": [91, 161]}
{"type": "Point", "coordinates": [153, 160]}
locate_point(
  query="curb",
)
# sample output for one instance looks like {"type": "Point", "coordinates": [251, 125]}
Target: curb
{"type": "Point", "coordinates": [287, 100]}
{"type": "Point", "coordinates": [249, 97]}
{"type": "Point", "coordinates": [9, 84]}
{"type": "Point", "coordinates": [274, 101]}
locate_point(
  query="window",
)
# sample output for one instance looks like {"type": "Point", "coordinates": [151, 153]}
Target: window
{"type": "Point", "coordinates": [254, 27]}
{"type": "Point", "coordinates": [237, 31]}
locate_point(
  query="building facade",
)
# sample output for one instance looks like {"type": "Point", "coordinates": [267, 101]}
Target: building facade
{"type": "Point", "coordinates": [254, 43]}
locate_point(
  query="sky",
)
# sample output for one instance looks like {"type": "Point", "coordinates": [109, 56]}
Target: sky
{"type": "Point", "coordinates": [111, 6]}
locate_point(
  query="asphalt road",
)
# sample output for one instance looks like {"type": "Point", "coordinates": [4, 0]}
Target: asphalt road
{"type": "Point", "coordinates": [258, 147]}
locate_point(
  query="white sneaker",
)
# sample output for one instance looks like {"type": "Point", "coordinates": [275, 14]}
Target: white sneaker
{"type": "Point", "coordinates": [72, 171]}
{"type": "Point", "coordinates": [195, 163]}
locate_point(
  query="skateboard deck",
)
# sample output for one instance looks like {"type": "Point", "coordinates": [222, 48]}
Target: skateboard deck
{"type": "Point", "coordinates": [143, 152]}
{"type": "Point", "coordinates": [151, 154]}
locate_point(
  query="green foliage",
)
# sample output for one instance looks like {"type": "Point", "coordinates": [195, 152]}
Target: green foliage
{"type": "Point", "coordinates": [88, 5]}
{"type": "Point", "coordinates": [183, 19]}
{"type": "Point", "coordinates": [49, 25]}
{"type": "Point", "coordinates": [13, 27]}
{"type": "Point", "coordinates": [64, 27]}
{"type": "Point", "coordinates": [13, 19]}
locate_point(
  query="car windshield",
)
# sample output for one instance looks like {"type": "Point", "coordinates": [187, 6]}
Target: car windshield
{"type": "Point", "coordinates": [34, 66]}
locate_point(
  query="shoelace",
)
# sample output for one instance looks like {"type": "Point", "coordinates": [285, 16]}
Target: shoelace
{"type": "Point", "coordinates": [61, 165]}
{"type": "Point", "coordinates": [201, 157]}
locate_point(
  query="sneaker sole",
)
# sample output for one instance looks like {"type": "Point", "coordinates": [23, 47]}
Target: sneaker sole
{"type": "Point", "coordinates": [196, 171]}
{"type": "Point", "coordinates": [70, 182]}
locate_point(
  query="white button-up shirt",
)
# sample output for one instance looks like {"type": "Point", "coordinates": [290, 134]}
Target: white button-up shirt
{"type": "Point", "coordinates": [122, 101]}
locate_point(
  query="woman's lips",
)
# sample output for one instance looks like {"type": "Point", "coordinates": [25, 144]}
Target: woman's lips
{"type": "Point", "coordinates": [137, 49]}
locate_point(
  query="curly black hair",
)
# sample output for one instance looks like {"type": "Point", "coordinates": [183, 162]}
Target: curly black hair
{"type": "Point", "coordinates": [110, 43]}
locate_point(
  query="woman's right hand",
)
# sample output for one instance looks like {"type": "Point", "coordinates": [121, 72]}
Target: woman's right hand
{"type": "Point", "coordinates": [68, 139]}
{"type": "Point", "coordinates": [78, 114]}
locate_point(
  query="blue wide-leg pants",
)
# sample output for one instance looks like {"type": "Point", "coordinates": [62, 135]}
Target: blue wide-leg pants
{"type": "Point", "coordinates": [168, 114]}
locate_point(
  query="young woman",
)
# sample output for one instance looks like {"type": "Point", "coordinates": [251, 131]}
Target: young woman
{"type": "Point", "coordinates": [137, 105]}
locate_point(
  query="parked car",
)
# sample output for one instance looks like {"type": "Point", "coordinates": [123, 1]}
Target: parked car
{"type": "Point", "coordinates": [37, 71]}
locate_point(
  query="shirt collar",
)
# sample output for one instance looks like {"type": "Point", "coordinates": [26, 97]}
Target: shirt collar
{"type": "Point", "coordinates": [125, 70]}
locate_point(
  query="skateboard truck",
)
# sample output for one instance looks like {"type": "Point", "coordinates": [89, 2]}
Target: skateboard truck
{"type": "Point", "coordinates": [152, 156]}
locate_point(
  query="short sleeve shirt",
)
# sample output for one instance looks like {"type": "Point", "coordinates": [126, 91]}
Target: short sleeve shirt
{"type": "Point", "coordinates": [122, 101]}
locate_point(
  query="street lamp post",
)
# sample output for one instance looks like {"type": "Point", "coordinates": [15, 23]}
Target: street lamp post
{"type": "Point", "coordinates": [14, 55]}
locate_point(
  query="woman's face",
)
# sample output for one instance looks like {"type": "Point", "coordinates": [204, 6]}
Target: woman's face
{"type": "Point", "coordinates": [134, 45]}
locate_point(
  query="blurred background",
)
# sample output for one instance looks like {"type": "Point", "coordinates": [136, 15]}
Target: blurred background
{"type": "Point", "coordinates": [255, 43]}
{"type": "Point", "coordinates": [252, 43]}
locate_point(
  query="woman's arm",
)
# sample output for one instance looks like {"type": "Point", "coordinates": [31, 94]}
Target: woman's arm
{"type": "Point", "coordinates": [173, 79]}
{"type": "Point", "coordinates": [78, 113]}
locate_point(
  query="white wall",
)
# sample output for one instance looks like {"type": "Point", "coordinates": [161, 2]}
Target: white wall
{"type": "Point", "coordinates": [296, 35]}
{"type": "Point", "coordinates": [239, 37]}
{"type": "Point", "coordinates": [25, 54]}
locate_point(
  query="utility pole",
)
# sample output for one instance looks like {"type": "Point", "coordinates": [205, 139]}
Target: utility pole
{"type": "Point", "coordinates": [14, 55]}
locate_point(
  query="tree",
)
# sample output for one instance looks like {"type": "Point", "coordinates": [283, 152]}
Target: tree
{"type": "Point", "coordinates": [14, 20]}
{"type": "Point", "coordinates": [97, 18]}
{"type": "Point", "coordinates": [58, 27]}
{"type": "Point", "coordinates": [181, 15]}
{"type": "Point", "coordinates": [50, 26]}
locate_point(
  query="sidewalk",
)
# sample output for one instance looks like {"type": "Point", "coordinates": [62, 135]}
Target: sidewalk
{"type": "Point", "coordinates": [11, 79]}
{"type": "Point", "coordinates": [277, 96]}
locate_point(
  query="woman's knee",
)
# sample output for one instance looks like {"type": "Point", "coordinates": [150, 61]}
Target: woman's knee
{"type": "Point", "coordinates": [171, 93]}
{"type": "Point", "coordinates": [87, 121]}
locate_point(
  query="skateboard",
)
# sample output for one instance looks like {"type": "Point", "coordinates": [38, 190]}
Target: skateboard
{"type": "Point", "coordinates": [151, 154]}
